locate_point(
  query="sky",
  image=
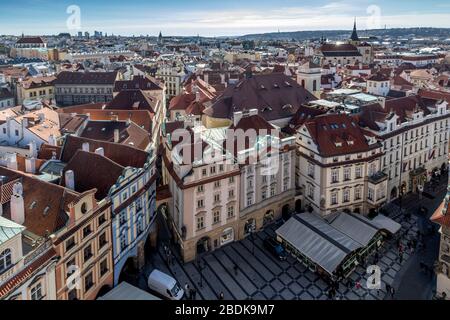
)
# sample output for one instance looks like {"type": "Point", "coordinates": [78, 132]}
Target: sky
{"type": "Point", "coordinates": [215, 17]}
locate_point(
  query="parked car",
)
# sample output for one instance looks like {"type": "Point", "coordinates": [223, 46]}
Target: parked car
{"type": "Point", "coordinates": [165, 285]}
{"type": "Point", "coordinates": [275, 248]}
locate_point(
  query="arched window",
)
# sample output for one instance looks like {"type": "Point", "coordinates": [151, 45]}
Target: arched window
{"type": "Point", "coordinates": [5, 260]}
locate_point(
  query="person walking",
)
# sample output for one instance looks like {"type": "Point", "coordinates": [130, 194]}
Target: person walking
{"type": "Point", "coordinates": [193, 293]}
{"type": "Point", "coordinates": [400, 256]}
{"type": "Point", "coordinates": [221, 296]}
{"type": "Point", "coordinates": [388, 288]}
{"type": "Point", "coordinates": [187, 290]}
{"type": "Point", "coordinates": [392, 292]}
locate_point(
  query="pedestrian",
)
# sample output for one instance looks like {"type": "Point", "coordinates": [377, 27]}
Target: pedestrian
{"type": "Point", "coordinates": [400, 256]}
{"type": "Point", "coordinates": [392, 292]}
{"type": "Point", "coordinates": [388, 288]}
{"type": "Point", "coordinates": [358, 285]}
{"type": "Point", "coordinates": [236, 269]}
{"type": "Point", "coordinates": [376, 258]}
{"type": "Point", "coordinates": [187, 290]}
{"type": "Point", "coordinates": [221, 296]}
{"type": "Point", "coordinates": [193, 294]}
{"type": "Point", "coordinates": [329, 294]}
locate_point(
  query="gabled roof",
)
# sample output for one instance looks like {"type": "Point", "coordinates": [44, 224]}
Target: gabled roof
{"type": "Point", "coordinates": [46, 204]}
{"type": "Point", "coordinates": [275, 95]}
{"type": "Point", "coordinates": [337, 134]}
{"type": "Point", "coordinates": [93, 171]}
{"type": "Point", "coordinates": [133, 100]}
{"type": "Point", "coordinates": [124, 155]}
{"type": "Point", "coordinates": [30, 40]}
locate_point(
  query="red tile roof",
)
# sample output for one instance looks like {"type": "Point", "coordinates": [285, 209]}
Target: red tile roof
{"type": "Point", "coordinates": [331, 129]}
{"type": "Point", "coordinates": [93, 171]}
{"type": "Point", "coordinates": [126, 156]}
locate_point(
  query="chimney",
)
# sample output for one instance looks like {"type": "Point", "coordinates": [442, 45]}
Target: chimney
{"type": "Point", "coordinates": [52, 140]}
{"type": "Point", "coordinates": [237, 116]}
{"type": "Point", "coordinates": [30, 165]}
{"type": "Point", "coordinates": [116, 135]}
{"type": "Point", "coordinates": [222, 78]}
{"type": "Point", "coordinates": [197, 96]}
{"type": "Point", "coordinates": [41, 117]}
{"type": "Point", "coordinates": [100, 151]}
{"type": "Point", "coordinates": [85, 146]}
{"type": "Point", "coordinates": [12, 163]}
{"type": "Point", "coordinates": [33, 149]}
{"type": "Point", "coordinates": [69, 177]}
{"type": "Point", "coordinates": [17, 204]}
{"type": "Point", "coordinates": [206, 77]}
{"type": "Point", "coordinates": [24, 123]}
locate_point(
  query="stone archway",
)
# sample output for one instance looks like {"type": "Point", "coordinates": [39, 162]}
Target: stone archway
{"type": "Point", "coordinates": [203, 245]}
{"type": "Point", "coordinates": [103, 290]}
{"type": "Point", "coordinates": [129, 271]}
{"type": "Point", "coordinates": [298, 206]}
{"type": "Point", "coordinates": [394, 193]}
{"type": "Point", "coordinates": [285, 212]}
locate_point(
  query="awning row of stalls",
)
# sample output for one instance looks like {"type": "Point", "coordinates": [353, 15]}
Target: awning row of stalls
{"type": "Point", "coordinates": [335, 245]}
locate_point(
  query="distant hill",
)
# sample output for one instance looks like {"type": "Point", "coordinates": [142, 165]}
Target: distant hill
{"type": "Point", "coordinates": [442, 33]}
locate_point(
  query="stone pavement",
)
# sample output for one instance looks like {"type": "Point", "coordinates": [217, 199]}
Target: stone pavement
{"type": "Point", "coordinates": [263, 277]}
{"type": "Point", "coordinates": [411, 282]}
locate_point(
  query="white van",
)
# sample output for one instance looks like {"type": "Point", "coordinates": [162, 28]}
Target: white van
{"type": "Point", "coordinates": [165, 285]}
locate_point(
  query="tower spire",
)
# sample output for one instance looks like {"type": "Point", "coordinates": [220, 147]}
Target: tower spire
{"type": "Point", "coordinates": [354, 36]}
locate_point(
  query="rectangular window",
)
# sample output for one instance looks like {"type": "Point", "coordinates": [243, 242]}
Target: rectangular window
{"type": "Point", "coordinates": [216, 198]}
{"type": "Point", "coordinates": [346, 195]}
{"type": "Point", "coordinates": [70, 243]}
{"type": "Point", "coordinates": [200, 222]}
{"type": "Point", "coordinates": [334, 175]}
{"type": "Point", "coordinates": [216, 216]}
{"type": "Point", "coordinates": [230, 212]}
{"type": "Point", "coordinates": [103, 267]}
{"type": "Point", "coordinates": [200, 203]}
{"type": "Point", "coordinates": [36, 292]}
{"type": "Point", "coordinates": [212, 170]}
{"type": "Point", "coordinates": [334, 198]}
{"type": "Point", "coordinates": [88, 282]}
{"type": "Point", "coordinates": [101, 219]}
{"type": "Point", "coordinates": [358, 193]}
{"type": "Point", "coordinates": [358, 172]}
{"type": "Point", "coordinates": [87, 253]}
{"type": "Point", "coordinates": [102, 241]}
{"type": "Point", "coordinates": [311, 191]}
{"type": "Point", "coordinates": [311, 169]}
{"type": "Point", "coordinates": [123, 218]}
{"type": "Point", "coordinates": [231, 180]}
{"type": "Point", "coordinates": [217, 184]}
{"type": "Point", "coordinates": [347, 173]}
{"type": "Point", "coordinates": [231, 193]}
{"type": "Point", "coordinates": [200, 189]}
{"type": "Point", "coordinates": [370, 194]}
{"type": "Point", "coordinates": [87, 231]}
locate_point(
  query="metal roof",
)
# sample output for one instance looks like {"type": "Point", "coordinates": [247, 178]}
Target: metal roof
{"type": "Point", "coordinates": [9, 229]}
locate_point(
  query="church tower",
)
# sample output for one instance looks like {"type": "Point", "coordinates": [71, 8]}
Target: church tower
{"type": "Point", "coordinates": [309, 76]}
{"type": "Point", "coordinates": [160, 38]}
{"type": "Point", "coordinates": [354, 39]}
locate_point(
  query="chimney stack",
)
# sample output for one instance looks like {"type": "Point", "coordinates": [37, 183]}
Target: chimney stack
{"type": "Point", "coordinates": [85, 146]}
{"type": "Point", "coordinates": [116, 135]}
{"type": "Point", "coordinates": [237, 116]}
{"type": "Point", "coordinates": [12, 163]}
{"type": "Point", "coordinates": [30, 165]}
{"type": "Point", "coordinates": [33, 149]}
{"type": "Point", "coordinates": [52, 140]}
{"type": "Point", "coordinates": [69, 177]}
{"type": "Point", "coordinates": [100, 151]}
{"type": "Point", "coordinates": [17, 204]}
